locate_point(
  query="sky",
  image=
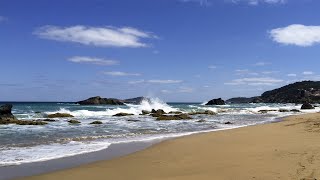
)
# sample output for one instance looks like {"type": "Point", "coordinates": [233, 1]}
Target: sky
{"type": "Point", "coordinates": [176, 50]}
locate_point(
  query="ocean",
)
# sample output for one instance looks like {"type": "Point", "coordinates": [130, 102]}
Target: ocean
{"type": "Point", "coordinates": [25, 144]}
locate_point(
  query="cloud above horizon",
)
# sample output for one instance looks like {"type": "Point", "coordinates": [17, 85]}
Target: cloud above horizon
{"type": "Point", "coordinates": [296, 34]}
{"type": "Point", "coordinates": [119, 73]}
{"type": "Point", "coordinates": [96, 36]}
{"type": "Point", "coordinates": [200, 2]}
{"type": "Point", "coordinates": [257, 2]}
{"type": "Point", "coordinates": [267, 81]}
{"type": "Point", "coordinates": [157, 81]}
{"type": "Point", "coordinates": [92, 60]}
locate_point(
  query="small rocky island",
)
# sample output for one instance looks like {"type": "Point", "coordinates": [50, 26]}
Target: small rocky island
{"type": "Point", "coordinates": [97, 100]}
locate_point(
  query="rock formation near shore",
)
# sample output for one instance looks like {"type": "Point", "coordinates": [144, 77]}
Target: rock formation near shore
{"type": "Point", "coordinates": [101, 101]}
{"type": "Point", "coordinates": [218, 101]}
{"type": "Point", "coordinates": [299, 92]}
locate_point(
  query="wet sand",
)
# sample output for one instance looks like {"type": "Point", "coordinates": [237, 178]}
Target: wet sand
{"type": "Point", "coordinates": [289, 149]}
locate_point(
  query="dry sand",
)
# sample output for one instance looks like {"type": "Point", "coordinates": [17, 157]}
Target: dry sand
{"type": "Point", "coordinates": [286, 150]}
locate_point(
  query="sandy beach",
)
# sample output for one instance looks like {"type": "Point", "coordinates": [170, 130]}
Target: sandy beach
{"type": "Point", "coordinates": [289, 149]}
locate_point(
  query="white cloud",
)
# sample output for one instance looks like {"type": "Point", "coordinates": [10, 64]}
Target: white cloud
{"type": "Point", "coordinates": [296, 34]}
{"type": "Point", "coordinates": [257, 2]}
{"type": "Point", "coordinates": [292, 75]}
{"type": "Point", "coordinates": [185, 90]}
{"type": "Point", "coordinates": [2, 18]}
{"type": "Point", "coordinates": [119, 73]}
{"type": "Point", "coordinates": [269, 72]}
{"type": "Point", "coordinates": [308, 73]}
{"type": "Point", "coordinates": [212, 67]}
{"type": "Point", "coordinates": [245, 72]}
{"type": "Point", "coordinates": [96, 36]}
{"type": "Point", "coordinates": [255, 81]}
{"type": "Point", "coordinates": [92, 60]}
{"type": "Point", "coordinates": [261, 64]}
{"type": "Point", "coordinates": [201, 2]}
{"type": "Point", "coordinates": [164, 91]}
{"type": "Point", "coordinates": [156, 81]}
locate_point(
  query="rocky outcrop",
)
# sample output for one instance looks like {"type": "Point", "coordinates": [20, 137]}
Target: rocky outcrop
{"type": "Point", "coordinates": [74, 122]}
{"type": "Point", "coordinates": [6, 114]}
{"type": "Point", "coordinates": [173, 117]}
{"type": "Point", "coordinates": [241, 100]}
{"type": "Point", "coordinates": [157, 113]}
{"type": "Point", "coordinates": [307, 106]}
{"type": "Point", "coordinates": [144, 112]}
{"type": "Point", "coordinates": [96, 122]}
{"type": "Point", "coordinates": [101, 101]}
{"type": "Point", "coordinates": [123, 114]}
{"type": "Point", "coordinates": [207, 112]}
{"type": "Point", "coordinates": [136, 100]}
{"type": "Point", "coordinates": [59, 115]}
{"type": "Point", "coordinates": [218, 101]}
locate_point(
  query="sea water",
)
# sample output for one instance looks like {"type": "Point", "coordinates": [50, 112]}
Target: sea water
{"type": "Point", "coordinates": [25, 144]}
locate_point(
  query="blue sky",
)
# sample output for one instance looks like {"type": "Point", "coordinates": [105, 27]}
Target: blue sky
{"type": "Point", "coordinates": [177, 50]}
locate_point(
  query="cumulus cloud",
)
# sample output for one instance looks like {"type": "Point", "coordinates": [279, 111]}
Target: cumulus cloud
{"type": "Point", "coordinates": [96, 36]}
{"type": "Point", "coordinates": [308, 73]}
{"type": "Point", "coordinates": [255, 81]}
{"type": "Point", "coordinates": [257, 2]}
{"type": "Point", "coordinates": [119, 73]}
{"type": "Point", "coordinates": [92, 60]}
{"type": "Point", "coordinates": [157, 81]}
{"type": "Point", "coordinates": [292, 75]}
{"type": "Point", "coordinates": [201, 2]}
{"type": "Point", "coordinates": [296, 34]}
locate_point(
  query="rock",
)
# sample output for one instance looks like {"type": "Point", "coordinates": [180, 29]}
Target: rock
{"type": "Point", "coordinates": [173, 117]}
{"type": "Point", "coordinates": [175, 112]}
{"type": "Point", "coordinates": [123, 114]}
{"type": "Point", "coordinates": [49, 120]}
{"type": "Point", "coordinates": [20, 122]}
{"type": "Point", "coordinates": [207, 112]}
{"type": "Point", "coordinates": [218, 101]}
{"type": "Point", "coordinates": [241, 100]}
{"type": "Point", "coordinates": [201, 120]}
{"type": "Point", "coordinates": [294, 110]}
{"type": "Point", "coordinates": [228, 122]}
{"type": "Point", "coordinates": [137, 100]}
{"type": "Point", "coordinates": [157, 113]}
{"type": "Point", "coordinates": [74, 122]}
{"type": "Point", "coordinates": [133, 120]}
{"type": "Point", "coordinates": [59, 115]}
{"type": "Point", "coordinates": [266, 111]}
{"type": "Point", "coordinates": [37, 112]}
{"type": "Point", "coordinates": [284, 110]}
{"type": "Point", "coordinates": [101, 101]}
{"type": "Point", "coordinates": [307, 106]}
{"type": "Point", "coordinates": [144, 112]}
{"type": "Point", "coordinates": [96, 122]}
{"type": "Point", "coordinates": [5, 114]}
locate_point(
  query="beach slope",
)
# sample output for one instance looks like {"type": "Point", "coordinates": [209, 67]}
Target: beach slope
{"type": "Point", "coordinates": [285, 150]}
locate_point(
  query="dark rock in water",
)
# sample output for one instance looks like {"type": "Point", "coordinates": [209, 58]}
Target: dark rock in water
{"type": "Point", "coordinates": [20, 122]}
{"type": "Point", "coordinates": [133, 120]}
{"type": "Point", "coordinates": [101, 101]}
{"type": "Point", "coordinates": [294, 110]}
{"type": "Point", "coordinates": [201, 120]}
{"type": "Point", "coordinates": [284, 110]}
{"type": "Point", "coordinates": [96, 122]}
{"type": "Point", "coordinates": [74, 122]}
{"type": "Point", "coordinates": [49, 120]}
{"type": "Point", "coordinates": [266, 111]}
{"type": "Point", "coordinates": [59, 115]}
{"type": "Point", "coordinates": [5, 114]}
{"type": "Point", "coordinates": [218, 101]}
{"type": "Point", "coordinates": [307, 106]}
{"type": "Point", "coordinates": [207, 112]}
{"type": "Point", "coordinates": [144, 112]}
{"type": "Point", "coordinates": [175, 112]}
{"type": "Point", "coordinates": [123, 114]}
{"type": "Point", "coordinates": [157, 113]}
{"type": "Point", "coordinates": [173, 117]}
{"type": "Point", "coordinates": [228, 122]}
{"type": "Point", "coordinates": [241, 100]}
{"type": "Point", "coordinates": [136, 100]}
{"type": "Point", "coordinates": [37, 112]}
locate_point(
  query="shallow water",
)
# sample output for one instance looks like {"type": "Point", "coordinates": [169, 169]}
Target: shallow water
{"type": "Point", "coordinates": [24, 144]}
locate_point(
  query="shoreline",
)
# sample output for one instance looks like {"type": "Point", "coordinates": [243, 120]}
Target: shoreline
{"type": "Point", "coordinates": [284, 150]}
{"type": "Point", "coordinates": [112, 152]}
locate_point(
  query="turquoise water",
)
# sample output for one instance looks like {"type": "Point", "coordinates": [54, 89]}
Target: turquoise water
{"type": "Point", "coordinates": [25, 144]}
